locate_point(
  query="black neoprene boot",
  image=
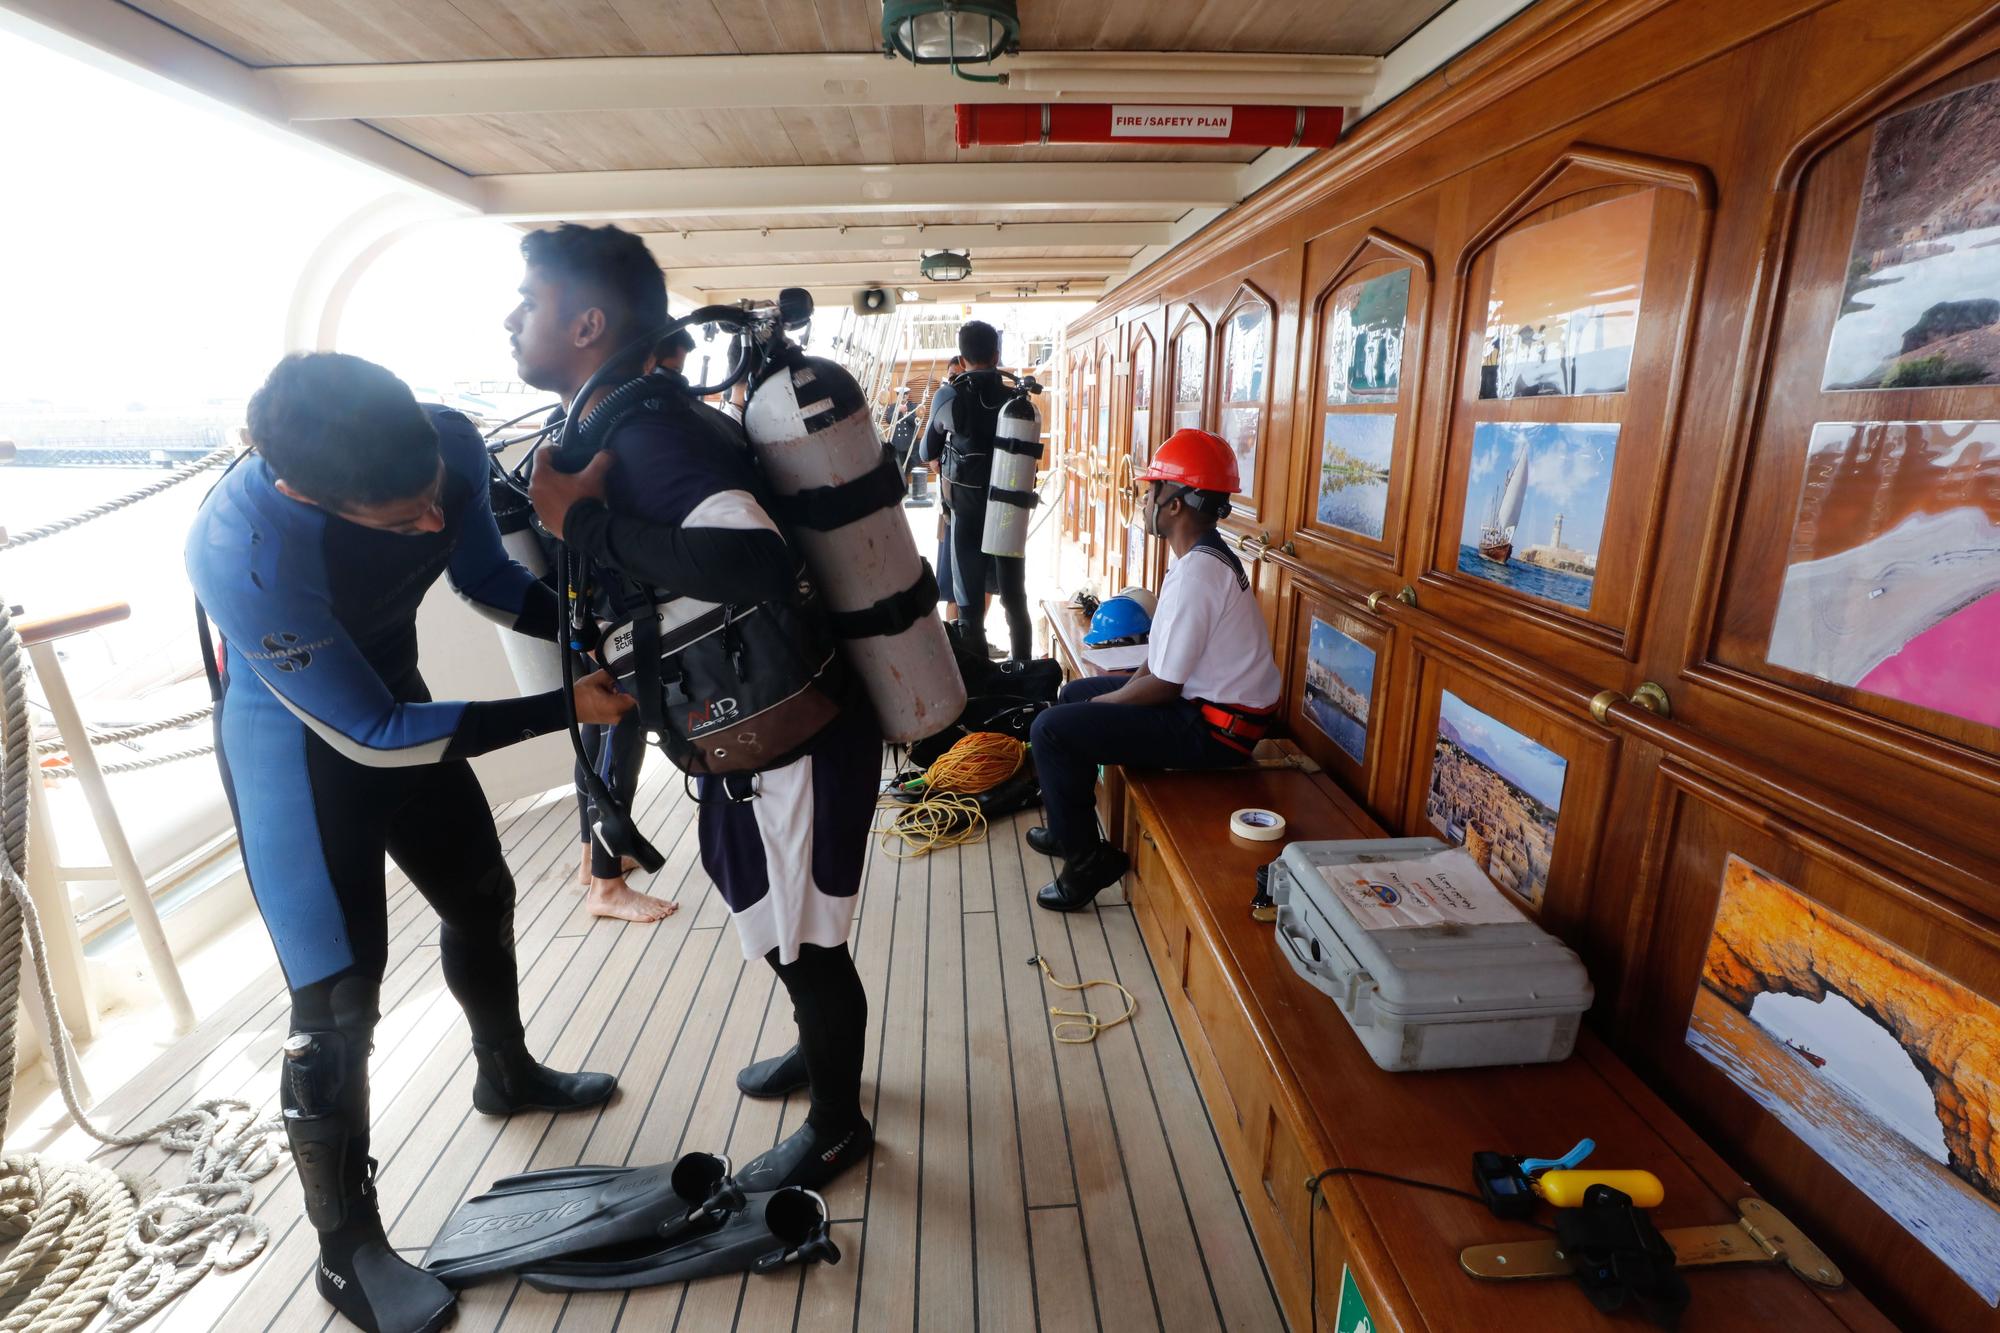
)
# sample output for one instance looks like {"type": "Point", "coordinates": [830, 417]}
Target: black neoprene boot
{"type": "Point", "coordinates": [510, 1081]}
{"type": "Point", "coordinates": [779, 1076]}
{"type": "Point", "coordinates": [808, 1158]}
{"type": "Point", "coordinates": [1083, 877]}
{"type": "Point", "coordinates": [325, 1098]}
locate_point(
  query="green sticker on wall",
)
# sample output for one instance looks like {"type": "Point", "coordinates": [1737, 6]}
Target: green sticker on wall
{"type": "Point", "coordinates": [1352, 1315]}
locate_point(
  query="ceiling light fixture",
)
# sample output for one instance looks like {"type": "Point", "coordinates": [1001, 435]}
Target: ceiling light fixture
{"type": "Point", "coordinates": [945, 265]}
{"type": "Point", "coordinates": [952, 32]}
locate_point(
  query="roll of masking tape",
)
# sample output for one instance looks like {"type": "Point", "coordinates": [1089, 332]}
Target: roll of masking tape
{"type": "Point", "coordinates": [1257, 825]}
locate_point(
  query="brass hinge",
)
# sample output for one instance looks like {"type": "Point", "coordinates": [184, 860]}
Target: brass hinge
{"type": "Point", "coordinates": [1759, 1235]}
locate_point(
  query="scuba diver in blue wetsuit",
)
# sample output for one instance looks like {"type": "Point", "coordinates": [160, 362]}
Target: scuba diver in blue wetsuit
{"type": "Point", "coordinates": [311, 556]}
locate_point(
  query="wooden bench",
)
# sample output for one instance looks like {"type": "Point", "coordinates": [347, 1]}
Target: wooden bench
{"type": "Point", "coordinates": [1292, 1092]}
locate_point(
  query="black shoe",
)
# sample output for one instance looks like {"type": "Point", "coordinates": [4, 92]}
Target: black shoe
{"type": "Point", "coordinates": [779, 1076]}
{"type": "Point", "coordinates": [510, 1082]}
{"type": "Point", "coordinates": [372, 1286]}
{"type": "Point", "coordinates": [1084, 877]}
{"type": "Point", "coordinates": [808, 1159]}
{"type": "Point", "coordinates": [1044, 841]}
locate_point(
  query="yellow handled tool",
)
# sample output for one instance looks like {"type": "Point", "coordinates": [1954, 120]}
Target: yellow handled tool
{"type": "Point", "coordinates": [1564, 1189]}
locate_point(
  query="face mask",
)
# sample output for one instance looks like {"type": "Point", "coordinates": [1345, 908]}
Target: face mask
{"type": "Point", "coordinates": [1153, 507]}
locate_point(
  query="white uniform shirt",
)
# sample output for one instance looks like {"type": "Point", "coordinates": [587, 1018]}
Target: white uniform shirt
{"type": "Point", "coordinates": [1209, 635]}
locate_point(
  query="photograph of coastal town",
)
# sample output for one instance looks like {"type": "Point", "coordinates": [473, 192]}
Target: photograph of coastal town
{"type": "Point", "coordinates": [1340, 682]}
{"type": "Point", "coordinates": [1922, 302]}
{"type": "Point", "coordinates": [1246, 348]}
{"type": "Point", "coordinates": [1892, 579]}
{"type": "Point", "coordinates": [1563, 309]}
{"type": "Point", "coordinates": [1499, 794]}
{"type": "Point", "coordinates": [1356, 449]}
{"type": "Point", "coordinates": [1364, 340]}
{"type": "Point", "coordinates": [1534, 507]}
{"type": "Point", "coordinates": [1884, 1066]}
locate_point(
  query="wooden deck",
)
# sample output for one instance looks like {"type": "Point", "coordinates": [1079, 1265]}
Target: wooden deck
{"type": "Point", "coordinates": [1017, 1183]}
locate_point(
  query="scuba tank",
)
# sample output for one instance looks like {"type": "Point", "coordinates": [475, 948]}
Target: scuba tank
{"type": "Point", "coordinates": [814, 438]}
{"type": "Point", "coordinates": [536, 663]}
{"type": "Point", "coordinates": [1010, 495]}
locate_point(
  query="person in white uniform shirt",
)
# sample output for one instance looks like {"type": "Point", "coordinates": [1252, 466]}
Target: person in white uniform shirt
{"type": "Point", "coordinates": [1204, 697]}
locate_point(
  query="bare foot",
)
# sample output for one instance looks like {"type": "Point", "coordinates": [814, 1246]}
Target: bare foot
{"type": "Point", "coordinates": [613, 898]}
{"type": "Point", "coordinates": [626, 866]}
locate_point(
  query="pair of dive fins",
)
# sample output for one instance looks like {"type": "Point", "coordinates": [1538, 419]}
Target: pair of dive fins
{"type": "Point", "coordinates": [594, 1228]}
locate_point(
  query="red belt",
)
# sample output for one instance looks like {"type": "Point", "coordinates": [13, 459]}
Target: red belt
{"type": "Point", "coordinates": [1238, 728]}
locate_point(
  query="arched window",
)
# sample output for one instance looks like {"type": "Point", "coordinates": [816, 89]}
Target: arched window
{"type": "Point", "coordinates": [1190, 372]}
{"type": "Point", "coordinates": [1246, 361]}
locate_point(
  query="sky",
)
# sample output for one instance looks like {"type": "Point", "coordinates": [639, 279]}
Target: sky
{"type": "Point", "coordinates": [1348, 658]}
{"type": "Point", "coordinates": [1533, 768]}
{"type": "Point", "coordinates": [164, 234]}
{"type": "Point", "coordinates": [1569, 473]}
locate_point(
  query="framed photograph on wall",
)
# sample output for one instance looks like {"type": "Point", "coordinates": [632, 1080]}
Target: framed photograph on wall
{"type": "Point", "coordinates": [1341, 663]}
{"type": "Point", "coordinates": [1243, 393]}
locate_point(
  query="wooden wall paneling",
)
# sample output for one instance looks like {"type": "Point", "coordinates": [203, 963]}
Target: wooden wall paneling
{"type": "Point", "coordinates": [1813, 220]}
{"type": "Point", "coordinates": [1321, 542]}
{"type": "Point", "coordinates": [1580, 179]}
{"type": "Point", "coordinates": [1698, 826]}
{"type": "Point", "coordinates": [1524, 860]}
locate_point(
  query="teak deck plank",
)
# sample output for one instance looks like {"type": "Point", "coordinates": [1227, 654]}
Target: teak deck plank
{"type": "Point", "coordinates": [1016, 1184]}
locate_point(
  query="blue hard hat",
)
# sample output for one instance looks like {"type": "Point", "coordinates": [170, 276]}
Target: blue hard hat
{"type": "Point", "coordinates": [1118, 618]}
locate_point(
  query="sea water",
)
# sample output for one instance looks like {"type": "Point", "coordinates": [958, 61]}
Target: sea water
{"type": "Point", "coordinates": [1553, 584]}
{"type": "Point", "coordinates": [1358, 506]}
{"type": "Point", "coordinates": [1349, 733]}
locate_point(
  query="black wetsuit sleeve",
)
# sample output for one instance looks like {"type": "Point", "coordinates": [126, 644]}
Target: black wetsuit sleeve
{"type": "Point", "coordinates": [724, 564]}
{"type": "Point", "coordinates": [938, 428]}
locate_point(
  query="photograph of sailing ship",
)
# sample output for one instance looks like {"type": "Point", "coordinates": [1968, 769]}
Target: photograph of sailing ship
{"type": "Point", "coordinates": [1499, 793]}
{"type": "Point", "coordinates": [1356, 449]}
{"type": "Point", "coordinates": [1884, 1066]}
{"type": "Point", "coordinates": [1364, 340]}
{"type": "Point", "coordinates": [1340, 682]}
{"type": "Point", "coordinates": [1563, 309]}
{"type": "Point", "coordinates": [1922, 301]}
{"type": "Point", "coordinates": [1892, 580]}
{"type": "Point", "coordinates": [1531, 478]}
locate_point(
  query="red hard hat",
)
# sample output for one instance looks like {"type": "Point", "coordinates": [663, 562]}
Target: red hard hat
{"type": "Point", "coordinates": [1194, 458]}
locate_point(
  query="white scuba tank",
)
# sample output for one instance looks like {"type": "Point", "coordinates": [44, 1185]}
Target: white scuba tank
{"type": "Point", "coordinates": [1010, 494]}
{"type": "Point", "coordinates": [814, 437]}
{"type": "Point", "coordinates": [536, 663]}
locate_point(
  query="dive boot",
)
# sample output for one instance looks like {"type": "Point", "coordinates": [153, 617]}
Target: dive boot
{"type": "Point", "coordinates": [324, 1092]}
{"type": "Point", "coordinates": [510, 1081]}
{"type": "Point", "coordinates": [1044, 841]}
{"type": "Point", "coordinates": [779, 1076]}
{"type": "Point", "coordinates": [1083, 877]}
{"type": "Point", "coordinates": [371, 1285]}
{"type": "Point", "coordinates": [534, 1218]}
{"type": "Point", "coordinates": [808, 1159]}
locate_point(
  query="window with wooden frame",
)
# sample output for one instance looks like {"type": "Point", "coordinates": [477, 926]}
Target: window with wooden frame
{"type": "Point", "coordinates": [1869, 586]}
{"type": "Point", "coordinates": [1243, 398]}
{"type": "Point", "coordinates": [1355, 481]}
{"type": "Point", "coordinates": [1190, 372]}
{"type": "Point", "coordinates": [1138, 450]}
{"type": "Point", "coordinates": [1570, 357]}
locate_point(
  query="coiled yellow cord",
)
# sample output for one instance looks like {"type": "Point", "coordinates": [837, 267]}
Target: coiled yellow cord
{"type": "Point", "coordinates": [1088, 1023]}
{"type": "Point", "coordinates": [947, 815]}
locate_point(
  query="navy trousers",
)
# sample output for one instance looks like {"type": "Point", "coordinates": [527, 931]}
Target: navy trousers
{"type": "Point", "coordinates": [1071, 739]}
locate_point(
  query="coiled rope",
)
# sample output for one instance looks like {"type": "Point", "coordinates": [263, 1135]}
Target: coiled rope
{"type": "Point", "coordinates": [948, 813]}
{"type": "Point", "coordinates": [15, 540]}
{"type": "Point", "coordinates": [86, 1241]}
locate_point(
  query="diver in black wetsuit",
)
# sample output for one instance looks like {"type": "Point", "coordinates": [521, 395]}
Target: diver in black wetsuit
{"type": "Point", "coordinates": [676, 503]}
{"type": "Point", "coordinates": [311, 557]}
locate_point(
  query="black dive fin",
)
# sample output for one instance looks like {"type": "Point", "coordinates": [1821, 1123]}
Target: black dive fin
{"type": "Point", "coordinates": [770, 1231]}
{"type": "Point", "coordinates": [542, 1215]}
